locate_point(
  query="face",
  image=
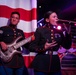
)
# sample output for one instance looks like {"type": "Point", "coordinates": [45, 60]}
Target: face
{"type": "Point", "coordinates": [53, 18]}
{"type": "Point", "coordinates": [14, 19]}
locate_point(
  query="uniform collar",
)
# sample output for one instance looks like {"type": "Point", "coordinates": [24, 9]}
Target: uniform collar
{"type": "Point", "coordinates": [12, 26]}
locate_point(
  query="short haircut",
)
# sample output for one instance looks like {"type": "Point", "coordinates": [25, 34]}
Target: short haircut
{"type": "Point", "coordinates": [15, 13]}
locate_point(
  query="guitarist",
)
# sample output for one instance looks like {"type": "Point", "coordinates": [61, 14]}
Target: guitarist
{"type": "Point", "coordinates": [7, 35]}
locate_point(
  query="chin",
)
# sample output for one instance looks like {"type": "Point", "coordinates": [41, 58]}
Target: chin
{"type": "Point", "coordinates": [55, 24]}
{"type": "Point", "coordinates": [14, 24]}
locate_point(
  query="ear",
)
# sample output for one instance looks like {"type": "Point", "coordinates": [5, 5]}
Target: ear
{"type": "Point", "coordinates": [19, 20]}
{"type": "Point", "coordinates": [47, 20]}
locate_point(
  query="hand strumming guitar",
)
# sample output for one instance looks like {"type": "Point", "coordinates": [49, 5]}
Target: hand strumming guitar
{"type": "Point", "coordinates": [3, 46]}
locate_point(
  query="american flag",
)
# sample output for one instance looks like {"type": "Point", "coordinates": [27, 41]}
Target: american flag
{"type": "Point", "coordinates": [28, 18]}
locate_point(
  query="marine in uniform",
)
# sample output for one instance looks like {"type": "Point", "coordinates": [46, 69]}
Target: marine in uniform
{"type": "Point", "coordinates": [8, 36]}
{"type": "Point", "coordinates": [47, 61]}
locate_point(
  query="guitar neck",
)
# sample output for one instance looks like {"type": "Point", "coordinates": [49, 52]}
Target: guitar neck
{"type": "Point", "coordinates": [21, 43]}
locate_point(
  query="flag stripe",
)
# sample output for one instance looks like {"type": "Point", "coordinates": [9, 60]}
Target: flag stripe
{"type": "Point", "coordinates": [24, 4]}
{"type": "Point", "coordinates": [26, 26]}
{"type": "Point", "coordinates": [28, 60]}
{"type": "Point", "coordinates": [26, 15]}
{"type": "Point", "coordinates": [28, 34]}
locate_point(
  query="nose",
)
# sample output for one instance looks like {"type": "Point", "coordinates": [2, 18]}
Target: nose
{"type": "Point", "coordinates": [14, 19]}
{"type": "Point", "coordinates": [56, 19]}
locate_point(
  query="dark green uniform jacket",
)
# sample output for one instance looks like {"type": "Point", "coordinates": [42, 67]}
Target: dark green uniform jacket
{"type": "Point", "coordinates": [8, 35]}
{"type": "Point", "coordinates": [44, 62]}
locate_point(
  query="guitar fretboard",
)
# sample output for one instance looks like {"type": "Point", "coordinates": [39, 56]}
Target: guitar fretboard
{"type": "Point", "coordinates": [21, 43]}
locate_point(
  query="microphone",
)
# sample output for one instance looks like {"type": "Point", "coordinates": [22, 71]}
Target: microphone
{"type": "Point", "coordinates": [67, 29]}
{"type": "Point", "coordinates": [61, 20]}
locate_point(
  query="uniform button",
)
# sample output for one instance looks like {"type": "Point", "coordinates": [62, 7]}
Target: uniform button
{"type": "Point", "coordinates": [14, 31]}
{"type": "Point", "coordinates": [51, 30]}
{"type": "Point", "coordinates": [14, 37]}
{"type": "Point", "coordinates": [52, 37]}
{"type": "Point", "coordinates": [49, 26]}
{"type": "Point", "coordinates": [51, 34]}
{"type": "Point", "coordinates": [19, 34]}
{"type": "Point", "coordinates": [15, 34]}
{"type": "Point", "coordinates": [7, 34]}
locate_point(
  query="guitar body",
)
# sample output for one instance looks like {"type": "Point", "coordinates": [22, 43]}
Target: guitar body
{"type": "Point", "coordinates": [12, 49]}
{"type": "Point", "coordinates": [8, 54]}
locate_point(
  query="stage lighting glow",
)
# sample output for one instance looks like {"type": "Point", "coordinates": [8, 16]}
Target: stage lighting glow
{"type": "Point", "coordinates": [54, 26]}
{"type": "Point", "coordinates": [40, 24]}
{"type": "Point", "coordinates": [59, 27]}
{"type": "Point", "coordinates": [75, 24]}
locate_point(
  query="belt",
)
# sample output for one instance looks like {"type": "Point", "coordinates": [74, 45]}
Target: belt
{"type": "Point", "coordinates": [54, 52]}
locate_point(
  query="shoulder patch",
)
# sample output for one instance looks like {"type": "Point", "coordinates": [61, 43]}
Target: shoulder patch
{"type": "Point", "coordinates": [1, 32]}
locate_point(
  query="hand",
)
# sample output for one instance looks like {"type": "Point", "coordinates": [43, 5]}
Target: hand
{"type": "Point", "coordinates": [50, 45]}
{"type": "Point", "coordinates": [3, 46]}
{"type": "Point", "coordinates": [68, 30]}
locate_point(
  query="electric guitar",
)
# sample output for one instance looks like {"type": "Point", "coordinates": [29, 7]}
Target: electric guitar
{"type": "Point", "coordinates": [7, 55]}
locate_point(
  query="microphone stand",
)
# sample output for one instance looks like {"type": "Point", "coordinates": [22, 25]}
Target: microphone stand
{"type": "Point", "coordinates": [66, 21]}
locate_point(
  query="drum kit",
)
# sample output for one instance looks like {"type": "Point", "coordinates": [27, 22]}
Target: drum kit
{"type": "Point", "coordinates": [63, 52]}
{"type": "Point", "coordinates": [67, 58]}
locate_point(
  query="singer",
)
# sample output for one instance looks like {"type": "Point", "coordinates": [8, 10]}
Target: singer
{"type": "Point", "coordinates": [47, 41]}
